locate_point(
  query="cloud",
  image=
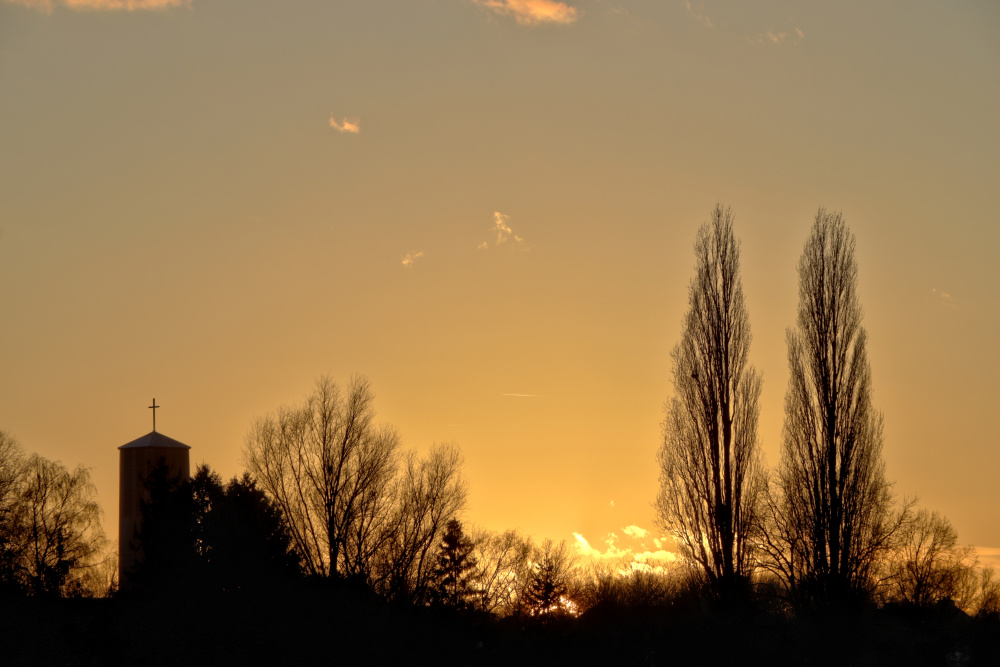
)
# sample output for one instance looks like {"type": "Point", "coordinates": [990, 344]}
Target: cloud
{"type": "Point", "coordinates": [630, 554]}
{"type": "Point", "coordinates": [944, 298]}
{"type": "Point", "coordinates": [502, 228]}
{"type": "Point", "coordinates": [612, 551]}
{"type": "Point", "coordinates": [411, 257]}
{"type": "Point", "coordinates": [988, 556]}
{"type": "Point", "coordinates": [635, 531]}
{"type": "Point", "coordinates": [98, 5]}
{"type": "Point", "coordinates": [351, 125]}
{"type": "Point", "coordinates": [532, 12]}
{"type": "Point", "coordinates": [780, 37]}
{"type": "Point", "coordinates": [698, 14]}
{"type": "Point", "coordinates": [504, 233]}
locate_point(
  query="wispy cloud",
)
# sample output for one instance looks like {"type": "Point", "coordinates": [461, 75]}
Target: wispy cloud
{"type": "Point", "coordinates": [944, 298]}
{"type": "Point", "coordinates": [504, 233]}
{"type": "Point", "coordinates": [98, 5]}
{"type": "Point", "coordinates": [532, 12]}
{"type": "Point", "coordinates": [698, 14]}
{"type": "Point", "coordinates": [988, 556]}
{"type": "Point", "coordinates": [411, 257]}
{"type": "Point", "coordinates": [350, 125]}
{"type": "Point", "coordinates": [777, 37]}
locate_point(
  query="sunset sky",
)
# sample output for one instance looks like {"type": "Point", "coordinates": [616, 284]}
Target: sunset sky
{"type": "Point", "coordinates": [488, 208]}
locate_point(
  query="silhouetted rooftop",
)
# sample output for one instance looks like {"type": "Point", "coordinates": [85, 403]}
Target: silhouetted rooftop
{"type": "Point", "coordinates": [154, 439]}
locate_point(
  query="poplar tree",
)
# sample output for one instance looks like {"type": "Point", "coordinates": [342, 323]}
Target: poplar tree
{"type": "Point", "coordinates": [709, 463]}
{"type": "Point", "coordinates": [835, 510]}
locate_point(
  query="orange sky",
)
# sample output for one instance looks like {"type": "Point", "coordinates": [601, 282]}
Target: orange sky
{"type": "Point", "coordinates": [488, 207]}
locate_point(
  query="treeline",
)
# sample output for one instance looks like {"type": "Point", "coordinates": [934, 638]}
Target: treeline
{"type": "Point", "coordinates": [328, 498]}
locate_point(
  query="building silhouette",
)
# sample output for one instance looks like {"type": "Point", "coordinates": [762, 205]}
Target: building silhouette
{"type": "Point", "coordinates": [137, 460]}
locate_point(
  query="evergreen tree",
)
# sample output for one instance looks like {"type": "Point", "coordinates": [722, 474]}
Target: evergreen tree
{"type": "Point", "coordinates": [547, 589]}
{"type": "Point", "coordinates": [218, 538]}
{"type": "Point", "coordinates": [453, 577]}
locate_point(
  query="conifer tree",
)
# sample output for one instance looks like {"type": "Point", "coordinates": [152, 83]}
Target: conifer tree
{"type": "Point", "coordinates": [453, 576]}
{"type": "Point", "coordinates": [548, 586]}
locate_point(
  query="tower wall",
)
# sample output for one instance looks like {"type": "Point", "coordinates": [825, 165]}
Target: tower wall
{"type": "Point", "coordinates": [135, 465]}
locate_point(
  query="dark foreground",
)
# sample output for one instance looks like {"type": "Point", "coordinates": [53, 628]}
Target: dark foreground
{"type": "Point", "coordinates": [326, 628]}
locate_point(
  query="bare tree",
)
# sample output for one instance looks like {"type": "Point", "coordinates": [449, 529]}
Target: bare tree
{"type": "Point", "coordinates": [60, 527]}
{"type": "Point", "coordinates": [619, 586]}
{"type": "Point", "coordinates": [12, 473]}
{"type": "Point", "coordinates": [429, 494]}
{"type": "Point", "coordinates": [101, 579]}
{"type": "Point", "coordinates": [834, 510]}
{"type": "Point", "coordinates": [929, 565]}
{"type": "Point", "coordinates": [351, 508]}
{"type": "Point", "coordinates": [329, 469]}
{"type": "Point", "coordinates": [503, 571]}
{"type": "Point", "coordinates": [709, 462]}
{"type": "Point", "coordinates": [981, 594]}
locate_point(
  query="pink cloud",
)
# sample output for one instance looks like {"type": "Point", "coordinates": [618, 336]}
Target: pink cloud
{"type": "Point", "coordinates": [530, 12]}
{"type": "Point", "coordinates": [350, 125]}
{"type": "Point", "coordinates": [101, 5]}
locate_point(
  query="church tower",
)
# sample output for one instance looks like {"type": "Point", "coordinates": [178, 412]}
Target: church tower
{"type": "Point", "coordinates": [137, 459]}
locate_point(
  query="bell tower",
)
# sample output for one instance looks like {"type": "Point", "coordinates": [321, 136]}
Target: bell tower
{"type": "Point", "coordinates": [137, 459]}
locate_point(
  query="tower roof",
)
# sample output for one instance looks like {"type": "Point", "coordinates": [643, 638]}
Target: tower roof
{"type": "Point", "coordinates": [154, 439]}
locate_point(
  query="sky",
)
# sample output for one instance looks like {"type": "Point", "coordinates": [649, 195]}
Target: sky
{"type": "Point", "coordinates": [488, 208]}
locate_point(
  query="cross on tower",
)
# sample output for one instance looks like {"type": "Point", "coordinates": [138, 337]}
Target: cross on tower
{"type": "Point", "coordinates": [153, 408]}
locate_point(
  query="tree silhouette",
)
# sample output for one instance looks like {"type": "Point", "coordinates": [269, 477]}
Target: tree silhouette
{"type": "Point", "coordinates": [928, 565]}
{"type": "Point", "coordinates": [61, 526]}
{"type": "Point", "coordinates": [428, 494]}
{"type": "Point", "coordinates": [503, 572]}
{"type": "Point", "coordinates": [709, 467]}
{"type": "Point", "coordinates": [548, 587]}
{"type": "Point", "coordinates": [353, 506]}
{"type": "Point", "coordinates": [12, 471]}
{"type": "Point", "coordinates": [453, 578]}
{"type": "Point", "coordinates": [50, 530]}
{"type": "Point", "coordinates": [833, 519]}
{"type": "Point", "coordinates": [246, 539]}
{"type": "Point", "coordinates": [329, 469]}
{"type": "Point", "coordinates": [167, 536]}
{"type": "Point", "coordinates": [218, 538]}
